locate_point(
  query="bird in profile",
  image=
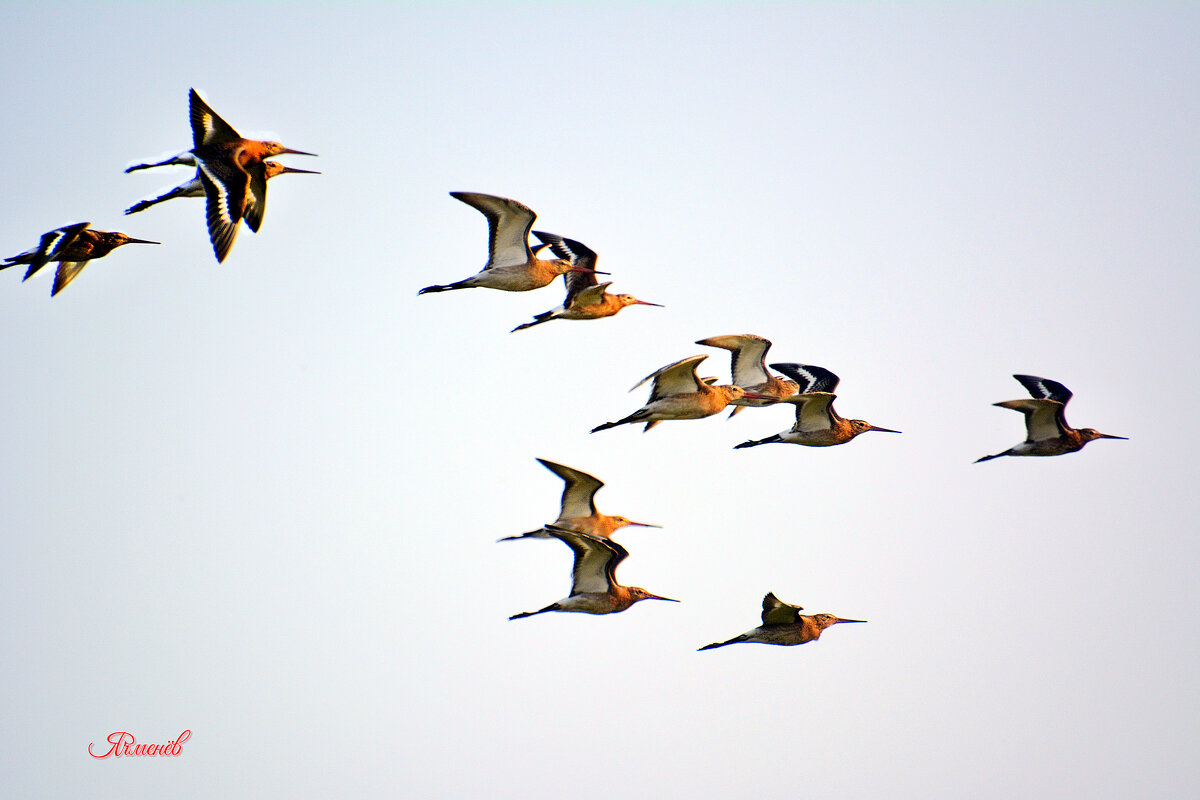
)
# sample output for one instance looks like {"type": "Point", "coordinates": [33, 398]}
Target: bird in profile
{"type": "Point", "coordinates": [594, 587]}
{"type": "Point", "coordinates": [817, 424]}
{"type": "Point", "coordinates": [73, 246]}
{"type": "Point", "coordinates": [679, 393]}
{"type": "Point", "coordinates": [195, 188]}
{"type": "Point", "coordinates": [231, 171]}
{"type": "Point", "coordinates": [511, 265]}
{"type": "Point", "coordinates": [1046, 429]}
{"type": "Point", "coordinates": [586, 298]}
{"type": "Point", "coordinates": [783, 624]}
{"type": "Point", "coordinates": [749, 355]}
{"type": "Point", "coordinates": [578, 511]}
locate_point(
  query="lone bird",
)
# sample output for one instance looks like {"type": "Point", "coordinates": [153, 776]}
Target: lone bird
{"type": "Point", "coordinates": [817, 424]}
{"type": "Point", "coordinates": [783, 624]}
{"type": "Point", "coordinates": [579, 512]}
{"type": "Point", "coordinates": [750, 370]}
{"type": "Point", "coordinates": [594, 587]}
{"type": "Point", "coordinates": [73, 246]}
{"type": "Point", "coordinates": [511, 265]}
{"type": "Point", "coordinates": [1046, 429]}
{"type": "Point", "coordinates": [679, 393]}
{"type": "Point", "coordinates": [231, 170]}
{"type": "Point", "coordinates": [586, 299]}
{"type": "Point", "coordinates": [195, 188]}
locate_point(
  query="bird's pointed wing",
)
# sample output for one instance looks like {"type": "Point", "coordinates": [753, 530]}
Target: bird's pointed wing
{"type": "Point", "coordinates": [1043, 418]}
{"type": "Point", "coordinates": [207, 126]}
{"type": "Point", "coordinates": [812, 411]}
{"type": "Point", "coordinates": [578, 498]}
{"type": "Point", "coordinates": [777, 612]}
{"type": "Point", "coordinates": [810, 378]}
{"type": "Point", "coordinates": [677, 378]}
{"type": "Point", "coordinates": [749, 354]}
{"type": "Point", "coordinates": [256, 195]}
{"type": "Point", "coordinates": [67, 270]}
{"type": "Point", "coordinates": [596, 560]}
{"type": "Point", "coordinates": [579, 255]}
{"type": "Point", "coordinates": [1044, 388]}
{"type": "Point", "coordinates": [53, 244]}
{"type": "Point", "coordinates": [587, 296]}
{"type": "Point", "coordinates": [509, 223]}
{"type": "Point", "coordinates": [226, 196]}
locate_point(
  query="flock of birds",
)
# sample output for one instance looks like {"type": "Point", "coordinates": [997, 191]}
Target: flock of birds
{"type": "Point", "coordinates": [232, 174]}
{"type": "Point", "coordinates": [679, 393]}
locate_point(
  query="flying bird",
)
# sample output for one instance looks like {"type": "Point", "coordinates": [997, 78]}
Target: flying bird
{"type": "Point", "coordinates": [594, 587]}
{"type": "Point", "coordinates": [195, 188]}
{"type": "Point", "coordinates": [586, 299]}
{"type": "Point", "coordinates": [783, 624]}
{"type": "Point", "coordinates": [231, 170]}
{"type": "Point", "coordinates": [72, 246]}
{"type": "Point", "coordinates": [749, 355]}
{"type": "Point", "coordinates": [511, 265]}
{"type": "Point", "coordinates": [679, 393]}
{"type": "Point", "coordinates": [817, 424]}
{"type": "Point", "coordinates": [578, 511]}
{"type": "Point", "coordinates": [1046, 429]}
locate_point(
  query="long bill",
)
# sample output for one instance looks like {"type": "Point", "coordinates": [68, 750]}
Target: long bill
{"type": "Point", "coordinates": [881, 430]}
{"type": "Point", "coordinates": [140, 241]}
{"type": "Point", "coordinates": [295, 152]}
{"type": "Point", "coordinates": [839, 619]}
{"type": "Point", "coordinates": [656, 597]}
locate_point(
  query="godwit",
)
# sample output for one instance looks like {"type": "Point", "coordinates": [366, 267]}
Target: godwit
{"type": "Point", "coordinates": [511, 265]}
{"type": "Point", "coordinates": [195, 188]}
{"type": "Point", "coordinates": [594, 587]}
{"type": "Point", "coordinates": [231, 171]}
{"type": "Point", "coordinates": [679, 393]}
{"type": "Point", "coordinates": [586, 299]}
{"type": "Point", "coordinates": [817, 424]}
{"type": "Point", "coordinates": [750, 370]}
{"type": "Point", "coordinates": [783, 624]}
{"type": "Point", "coordinates": [1046, 429]}
{"type": "Point", "coordinates": [579, 512]}
{"type": "Point", "coordinates": [72, 246]}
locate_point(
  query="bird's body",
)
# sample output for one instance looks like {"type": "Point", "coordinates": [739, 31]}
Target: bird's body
{"type": "Point", "coordinates": [783, 624]}
{"type": "Point", "coordinates": [72, 246]}
{"type": "Point", "coordinates": [512, 266]}
{"type": "Point", "coordinates": [679, 393]}
{"type": "Point", "coordinates": [578, 511]}
{"type": "Point", "coordinates": [750, 370]}
{"type": "Point", "coordinates": [594, 587]}
{"type": "Point", "coordinates": [586, 298]}
{"type": "Point", "coordinates": [195, 188]}
{"type": "Point", "coordinates": [1047, 432]}
{"type": "Point", "coordinates": [231, 171]}
{"type": "Point", "coordinates": [817, 423]}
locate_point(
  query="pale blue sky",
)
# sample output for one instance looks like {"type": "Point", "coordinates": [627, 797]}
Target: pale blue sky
{"type": "Point", "coordinates": [259, 500]}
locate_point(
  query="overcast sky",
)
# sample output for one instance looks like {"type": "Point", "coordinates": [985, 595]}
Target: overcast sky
{"type": "Point", "coordinates": [260, 500]}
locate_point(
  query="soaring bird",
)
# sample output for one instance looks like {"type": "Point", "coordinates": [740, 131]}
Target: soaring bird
{"type": "Point", "coordinates": [679, 393]}
{"type": "Point", "coordinates": [1046, 429]}
{"type": "Point", "coordinates": [586, 299]}
{"type": "Point", "coordinates": [750, 370]}
{"type": "Point", "coordinates": [195, 188]}
{"type": "Point", "coordinates": [594, 587]}
{"type": "Point", "coordinates": [817, 424]}
{"type": "Point", "coordinates": [511, 265]}
{"type": "Point", "coordinates": [72, 246]}
{"type": "Point", "coordinates": [783, 624]}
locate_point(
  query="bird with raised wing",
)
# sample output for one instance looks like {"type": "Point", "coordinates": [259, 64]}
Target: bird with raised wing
{"type": "Point", "coordinates": [586, 298]}
{"type": "Point", "coordinates": [679, 393]}
{"type": "Point", "coordinates": [594, 587]}
{"type": "Point", "coordinates": [195, 188]}
{"type": "Point", "coordinates": [817, 424]}
{"type": "Point", "coordinates": [511, 265]}
{"type": "Point", "coordinates": [749, 355]}
{"type": "Point", "coordinates": [231, 171]}
{"type": "Point", "coordinates": [1046, 429]}
{"type": "Point", "coordinates": [578, 512]}
{"type": "Point", "coordinates": [783, 624]}
{"type": "Point", "coordinates": [73, 246]}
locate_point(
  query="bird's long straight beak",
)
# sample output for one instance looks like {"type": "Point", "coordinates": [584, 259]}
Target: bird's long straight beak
{"type": "Point", "coordinates": [656, 597]}
{"type": "Point", "coordinates": [643, 524]}
{"type": "Point", "coordinates": [755, 396]}
{"type": "Point", "coordinates": [587, 271]}
{"type": "Point", "coordinates": [295, 152]}
{"type": "Point", "coordinates": [839, 619]}
{"type": "Point", "coordinates": [1110, 436]}
{"type": "Point", "coordinates": [644, 303]}
{"type": "Point", "coordinates": [305, 171]}
{"type": "Point", "coordinates": [881, 430]}
{"type": "Point", "coordinates": [140, 241]}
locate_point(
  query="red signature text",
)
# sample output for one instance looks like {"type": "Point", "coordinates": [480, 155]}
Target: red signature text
{"type": "Point", "coordinates": [124, 744]}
